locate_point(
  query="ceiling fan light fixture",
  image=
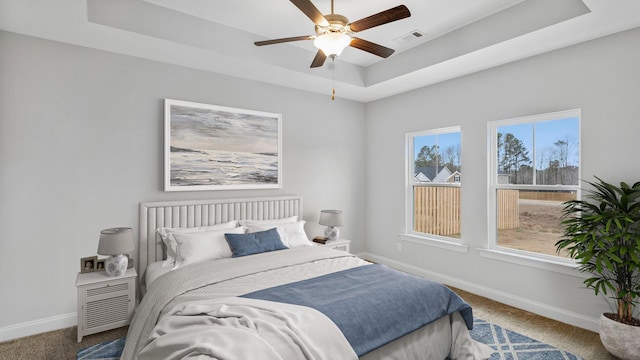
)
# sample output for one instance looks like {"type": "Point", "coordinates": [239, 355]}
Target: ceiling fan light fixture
{"type": "Point", "coordinates": [334, 32]}
{"type": "Point", "coordinates": [332, 43]}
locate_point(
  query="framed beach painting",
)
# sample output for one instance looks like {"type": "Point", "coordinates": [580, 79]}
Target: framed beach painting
{"type": "Point", "coordinates": [211, 147]}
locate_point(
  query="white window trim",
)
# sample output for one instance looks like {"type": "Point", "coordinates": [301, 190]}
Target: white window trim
{"type": "Point", "coordinates": [409, 235]}
{"type": "Point", "coordinates": [435, 241]}
{"type": "Point", "coordinates": [541, 261]}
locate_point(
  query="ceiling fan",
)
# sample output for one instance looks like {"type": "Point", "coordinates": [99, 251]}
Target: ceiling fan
{"type": "Point", "coordinates": [334, 32]}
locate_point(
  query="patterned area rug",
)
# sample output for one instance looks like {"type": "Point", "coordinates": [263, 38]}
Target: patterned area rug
{"type": "Point", "coordinates": [108, 350]}
{"type": "Point", "coordinates": [509, 345]}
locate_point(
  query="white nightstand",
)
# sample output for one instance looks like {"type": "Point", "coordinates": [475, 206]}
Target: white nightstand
{"type": "Point", "coordinates": [340, 244]}
{"type": "Point", "coordinates": [105, 302]}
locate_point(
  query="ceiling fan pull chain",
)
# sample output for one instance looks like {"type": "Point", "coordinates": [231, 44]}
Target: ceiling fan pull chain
{"type": "Point", "coordinates": [333, 78]}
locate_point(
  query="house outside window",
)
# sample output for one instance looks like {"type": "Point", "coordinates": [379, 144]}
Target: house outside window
{"type": "Point", "coordinates": [534, 168]}
{"type": "Point", "coordinates": [433, 183]}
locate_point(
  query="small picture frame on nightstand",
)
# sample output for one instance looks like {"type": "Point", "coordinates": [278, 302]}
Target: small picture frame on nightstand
{"type": "Point", "coordinates": [88, 264]}
{"type": "Point", "coordinates": [100, 265]}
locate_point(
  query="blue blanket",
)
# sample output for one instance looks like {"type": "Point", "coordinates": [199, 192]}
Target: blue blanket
{"type": "Point", "coordinates": [372, 304]}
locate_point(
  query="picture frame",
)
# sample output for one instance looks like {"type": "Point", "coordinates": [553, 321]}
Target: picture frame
{"type": "Point", "coordinates": [212, 147]}
{"type": "Point", "coordinates": [88, 264]}
{"type": "Point", "coordinates": [100, 265]}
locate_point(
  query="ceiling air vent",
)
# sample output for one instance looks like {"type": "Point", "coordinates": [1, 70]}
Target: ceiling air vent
{"type": "Point", "coordinates": [411, 37]}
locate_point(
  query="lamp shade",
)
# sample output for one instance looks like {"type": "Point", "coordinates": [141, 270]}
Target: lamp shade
{"type": "Point", "coordinates": [116, 241]}
{"type": "Point", "coordinates": [331, 218]}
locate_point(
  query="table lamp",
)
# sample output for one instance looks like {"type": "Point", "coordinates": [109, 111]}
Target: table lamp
{"type": "Point", "coordinates": [116, 242]}
{"type": "Point", "coordinates": [331, 219]}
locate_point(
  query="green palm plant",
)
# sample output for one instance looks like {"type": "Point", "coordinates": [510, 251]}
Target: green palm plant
{"type": "Point", "coordinates": [603, 235]}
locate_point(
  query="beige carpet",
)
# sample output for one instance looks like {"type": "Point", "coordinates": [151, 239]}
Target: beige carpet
{"type": "Point", "coordinates": [54, 345]}
{"type": "Point", "coordinates": [61, 344]}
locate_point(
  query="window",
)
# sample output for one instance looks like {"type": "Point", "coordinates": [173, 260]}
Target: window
{"type": "Point", "coordinates": [433, 183]}
{"type": "Point", "coordinates": [535, 168]}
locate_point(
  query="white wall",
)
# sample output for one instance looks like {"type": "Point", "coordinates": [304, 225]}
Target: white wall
{"type": "Point", "coordinates": [81, 144]}
{"type": "Point", "coordinates": [601, 77]}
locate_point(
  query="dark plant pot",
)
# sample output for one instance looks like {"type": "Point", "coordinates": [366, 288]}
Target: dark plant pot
{"type": "Point", "coordinates": [620, 339]}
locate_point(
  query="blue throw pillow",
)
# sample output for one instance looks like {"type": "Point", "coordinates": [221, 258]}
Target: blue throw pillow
{"type": "Point", "coordinates": [254, 243]}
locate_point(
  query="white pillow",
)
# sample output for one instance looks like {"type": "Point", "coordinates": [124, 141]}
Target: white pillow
{"type": "Point", "coordinates": [170, 242]}
{"type": "Point", "coordinates": [292, 234]}
{"type": "Point", "coordinates": [201, 246]}
{"type": "Point", "coordinates": [270, 224]}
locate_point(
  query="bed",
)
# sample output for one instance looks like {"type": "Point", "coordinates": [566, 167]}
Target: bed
{"type": "Point", "coordinates": [284, 298]}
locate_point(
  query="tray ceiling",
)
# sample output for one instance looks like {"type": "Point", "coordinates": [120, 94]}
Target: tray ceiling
{"type": "Point", "coordinates": [454, 37]}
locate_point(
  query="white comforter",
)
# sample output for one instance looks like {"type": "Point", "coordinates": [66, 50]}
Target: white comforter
{"type": "Point", "coordinates": [239, 328]}
{"type": "Point", "coordinates": [225, 278]}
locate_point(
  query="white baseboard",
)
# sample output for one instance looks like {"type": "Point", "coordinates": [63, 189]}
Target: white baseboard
{"type": "Point", "coordinates": [38, 326]}
{"type": "Point", "coordinates": [535, 307]}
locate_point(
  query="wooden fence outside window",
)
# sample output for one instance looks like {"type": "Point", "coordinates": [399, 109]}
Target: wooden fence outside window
{"type": "Point", "coordinates": [437, 210]}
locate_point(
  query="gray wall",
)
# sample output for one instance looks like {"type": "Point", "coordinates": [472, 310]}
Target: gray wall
{"type": "Point", "coordinates": [81, 144]}
{"type": "Point", "coordinates": [601, 77]}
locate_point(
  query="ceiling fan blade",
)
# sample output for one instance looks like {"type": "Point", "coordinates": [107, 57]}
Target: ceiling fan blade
{"type": "Point", "coordinates": [319, 59]}
{"type": "Point", "coordinates": [283, 40]}
{"type": "Point", "coordinates": [311, 11]}
{"type": "Point", "coordinates": [397, 13]}
{"type": "Point", "coordinates": [370, 47]}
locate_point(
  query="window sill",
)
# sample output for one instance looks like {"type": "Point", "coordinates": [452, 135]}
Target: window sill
{"type": "Point", "coordinates": [562, 266]}
{"type": "Point", "coordinates": [428, 241]}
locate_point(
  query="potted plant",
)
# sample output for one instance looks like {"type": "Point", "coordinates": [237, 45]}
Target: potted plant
{"type": "Point", "coordinates": [602, 234]}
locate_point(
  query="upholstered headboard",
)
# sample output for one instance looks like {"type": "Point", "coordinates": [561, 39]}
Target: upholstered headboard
{"type": "Point", "coordinates": [191, 213]}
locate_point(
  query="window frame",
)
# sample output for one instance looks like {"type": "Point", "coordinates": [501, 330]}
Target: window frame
{"type": "Point", "coordinates": [509, 254]}
{"type": "Point", "coordinates": [410, 235]}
